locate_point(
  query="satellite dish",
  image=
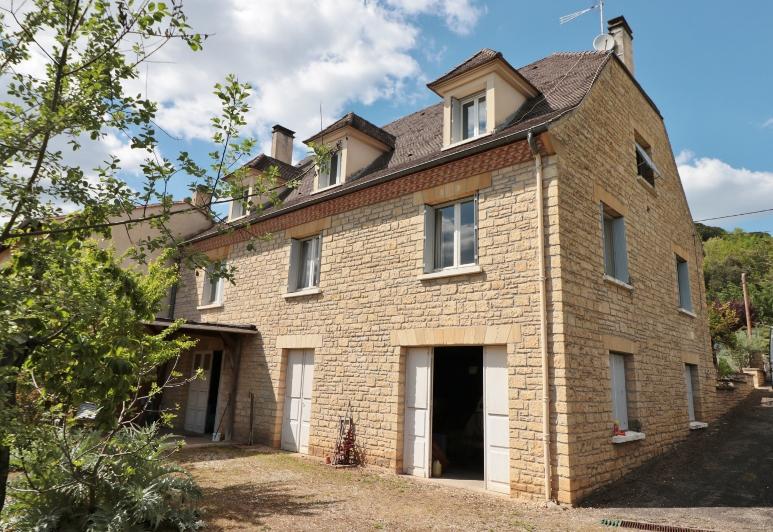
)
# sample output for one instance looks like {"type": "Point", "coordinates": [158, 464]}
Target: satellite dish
{"type": "Point", "coordinates": [604, 43]}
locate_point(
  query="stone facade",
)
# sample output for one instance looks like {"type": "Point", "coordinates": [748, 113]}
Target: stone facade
{"type": "Point", "coordinates": [373, 303]}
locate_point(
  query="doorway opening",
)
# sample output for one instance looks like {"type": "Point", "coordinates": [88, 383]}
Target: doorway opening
{"type": "Point", "coordinates": [214, 388]}
{"type": "Point", "coordinates": [457, 413]}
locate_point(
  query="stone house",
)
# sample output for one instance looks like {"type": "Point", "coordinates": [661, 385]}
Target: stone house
{"type": "Point", "coordinates": [492, 284]}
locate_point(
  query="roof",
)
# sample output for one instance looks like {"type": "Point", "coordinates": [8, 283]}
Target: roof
{"type": "Point", "coordinates": [262, 162]}
{"type": "Point", "coordinates": [484, 56]}
{"type": "Point", "coordinates": [562, 79]}
{"type": "Point", "coordinates": [204, 326]}
{"type": "Point", "coordinates": [360, 124]}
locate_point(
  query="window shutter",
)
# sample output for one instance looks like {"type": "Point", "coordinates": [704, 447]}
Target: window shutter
{"type": "Point", "coordinates": [619, 392]}
{"type": "Point", "coordinates": [295, 259]}
{"type": "Point", "coordinates": [604, 246]}
{"type": "Point", "coordinates": [683, 271]}
{"type": "Point", "coordinates": [429, 239]}
{"type": "Point", "coordinates": [317, 258]}
{"type": "Point", "coordinates": [620, 250]}
{"type": "Point", "coordinates": [456, 120]}
{"type": "Point", "coordinates": [476, 203]}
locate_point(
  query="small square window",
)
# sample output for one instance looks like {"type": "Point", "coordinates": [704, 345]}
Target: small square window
{"type": "Point", "coordinates": [305, 255]}
{"type": "Point", "coordinates": [615, 252]}
{"type": "Point", "coordinates": [239, 206]}
{"type": "Point", "coordinates": [645, 166]}
{"type": "Point", "coordinates": [212, 293]}
{"type": "Point", "coordinates": [450, 235]}
{"type": "Point", "coordinates": [683, 283]}
{"type": "Point", "coordinates": [330, 176]}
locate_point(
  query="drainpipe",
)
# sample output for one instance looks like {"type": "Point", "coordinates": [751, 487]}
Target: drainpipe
{"type": "Point", "coordinates": [543, 315]}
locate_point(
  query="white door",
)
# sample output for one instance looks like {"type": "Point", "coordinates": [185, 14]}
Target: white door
{"type": "Point", "coordinates": [198, 394]}
{"type": "Point", "coordinates": [417, 442]}
{"type": "Point", "coordinates": [297, 405]}
{"type": "Point", "coordinates": [496, 430]}
{"type": "Point", "coordinates": [688, 369]}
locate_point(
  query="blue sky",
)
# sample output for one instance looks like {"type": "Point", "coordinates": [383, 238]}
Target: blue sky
{"type": "Point", "coordinates": [705, 64]}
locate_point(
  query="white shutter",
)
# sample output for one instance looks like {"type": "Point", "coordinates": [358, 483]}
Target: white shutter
{"type": "Point", "coordinates": [317, 258]}
{"type": "Point", "coordinates": [417, 439]}
{"type": "Point", "coordinates": [295, 260]}
{"type": "Point", "coordinates": [619, 393]}
{"type": "Point", "coordinates": [496, 431]}
{"type": "Point", "coordinates": [456, 120]}
{"type": "Point", "coordinates": [620, 250]}
{"type": "Point", "coordinates": [429, 239]}
{"type": "Point", "coordinates": [476, 203]}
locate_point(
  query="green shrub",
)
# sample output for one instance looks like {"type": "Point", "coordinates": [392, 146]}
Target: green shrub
{"type": "Point", "coordinates": [724, 368]}
{"type": "Point", "coordinates": [85, 480]}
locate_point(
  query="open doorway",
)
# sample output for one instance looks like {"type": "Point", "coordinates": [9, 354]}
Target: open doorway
{"type": "Point", "coordinates": [457, 413]}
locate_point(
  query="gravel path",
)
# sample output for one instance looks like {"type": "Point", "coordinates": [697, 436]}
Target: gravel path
{"type": "Point", "coordinates": [720, 479]}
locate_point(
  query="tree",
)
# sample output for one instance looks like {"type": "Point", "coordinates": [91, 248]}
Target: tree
{"type": "Point", "coordinates": [707, 231]}
{"type": "Point", "coordinates": [67, 339]}
{"type": "Point", "coordinates": [730, 255]}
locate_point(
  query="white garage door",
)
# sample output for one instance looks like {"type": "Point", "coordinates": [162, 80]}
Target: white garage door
{"type": "Point", "coordinates": [198, 394]}
{"type": "Point", "coordinates": [496, 432]}
{"type": "Point", "coordinates": [297, 404]}
{"type": "Point", "coordinates": [418, 391]}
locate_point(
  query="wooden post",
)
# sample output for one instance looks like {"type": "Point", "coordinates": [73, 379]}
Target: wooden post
{"type": "Point", "coordinates": [746, 306]}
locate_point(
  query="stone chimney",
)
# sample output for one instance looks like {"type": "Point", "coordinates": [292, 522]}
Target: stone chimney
{"type": "Point", "coordinates": [282, 144]}
{"type": "Point", "coordinates": [619, 29]}
{"type": "Point", "coordinates": [201, 197]}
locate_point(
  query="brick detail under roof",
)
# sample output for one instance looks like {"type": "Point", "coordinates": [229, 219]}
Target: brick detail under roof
{"type": "Point", "coordinates": [508, 155]}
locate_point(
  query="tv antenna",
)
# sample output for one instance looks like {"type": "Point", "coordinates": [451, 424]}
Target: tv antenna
{"type": "Point", "coordinates": [603, 41]}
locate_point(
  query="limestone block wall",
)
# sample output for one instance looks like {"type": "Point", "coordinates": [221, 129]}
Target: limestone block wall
{"type": "Point", "coordinates": [597, 162]}
{"type": "Point", "coordinates": [370, 289]}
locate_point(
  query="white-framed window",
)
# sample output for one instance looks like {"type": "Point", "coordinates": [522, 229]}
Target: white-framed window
{"type": "Point", "coordinates": [451, 235]}
{"type": "Point", "coordinates": [468, 117]}
{"type": "Point", "coordinates": [617, 368]}
{"type": "Point", "coordinates": [683, 283]}
{"type": "Point", "coordinates": [305, 255]}
{"type": "Point", "coordinates": [212, 293]}
{"type": "Point", "coordinates": [330, 176]}
{"type": "Point", "coordinates": [615, 249]}
{"type": "Point", "coordinates": [240, 206]}
{"type": "Point", "coordinates": [645, 166]}
{"type": "Point", "coordinates": [691, 381]}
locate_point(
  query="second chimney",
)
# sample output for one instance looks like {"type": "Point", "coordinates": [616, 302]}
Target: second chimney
{"type": "Point", "coordinates": [282, 144]}
{"type": "Point", "coordinates": [619, 29]}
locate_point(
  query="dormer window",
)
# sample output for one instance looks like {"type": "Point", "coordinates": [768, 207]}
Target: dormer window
{"type": "Point", "coordinates": [331, 175]}
{"type": "Point", "coordinates": [239, 206]}
{"type": "Point", "coordinates": [473, 116]}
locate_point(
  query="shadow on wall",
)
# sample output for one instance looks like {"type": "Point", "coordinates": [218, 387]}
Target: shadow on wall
{"type": "Point", "coordinates": [249, 503]}
{"type": "Point", "coordinates": [730, 464]}
{"type": "Point", "coordinates": [255, 377]}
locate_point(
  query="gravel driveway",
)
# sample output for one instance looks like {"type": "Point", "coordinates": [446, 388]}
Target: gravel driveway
{"type": "Point", "coordinates": [720, 479]}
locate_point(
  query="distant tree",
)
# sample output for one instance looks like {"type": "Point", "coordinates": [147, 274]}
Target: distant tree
{"type": "Point", "coordinates": [724, 321]}
{"type": "Point", "coordinates": [707, 231]}
{"type": "Point", "coordinates": [730, 255]}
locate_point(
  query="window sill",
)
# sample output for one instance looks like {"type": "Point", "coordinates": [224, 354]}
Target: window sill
{"type": "Point", "coordinates": [687, 312]}
{"type": "Point", "coordinates": [320, 190]}
{"type": "Point", "coordinates": [629, 436]}
{"type": "Point", "coordinates": [302, 293]}
{"type": "Point", "coordinates": [646, 184]}
{"type": "Point", "coordinates": [465, 141]}
{"type": "Point", "coordinates": [210, 306]}
{"type": "Point", "coordinates": [617, 282]}
{"type": "Point", "coordinates": [235, 218]}
{"type": "Point", "coordinates": [697, 425]}
{"type": "Point", "coordinates": [452, 272]}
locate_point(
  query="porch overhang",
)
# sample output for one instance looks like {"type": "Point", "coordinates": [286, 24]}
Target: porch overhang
{"type": "Point", "coordinates": [190, 325]}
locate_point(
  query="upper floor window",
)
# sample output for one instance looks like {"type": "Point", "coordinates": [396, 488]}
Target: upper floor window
{"type": "Point", "coordinates": [239, 206]}
{"type": "Point", "coordinates": [212, 293]}
{"type": "Point", "coordinates": [305, 255]}
{"type": "Point", "coordinates": [615, 252]}
{"type": "Point", "coordinates": [330, 174]}
{"type": "Point", "coordinates": [683, 283]}
{"type": "Point", "coordinates": [469, 117]}
{"type": "Point", "coordinates": [450, 238]}
{"type": "Point", "coordinates": [645, 166]}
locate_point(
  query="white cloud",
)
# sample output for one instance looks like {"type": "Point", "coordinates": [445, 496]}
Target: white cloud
{"type": "Point", "coordinates": [297, 55]}
{"type": "Point", "coordinates": [714, 188]}
{"type": "Point", "coordinates": [768, 122]}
